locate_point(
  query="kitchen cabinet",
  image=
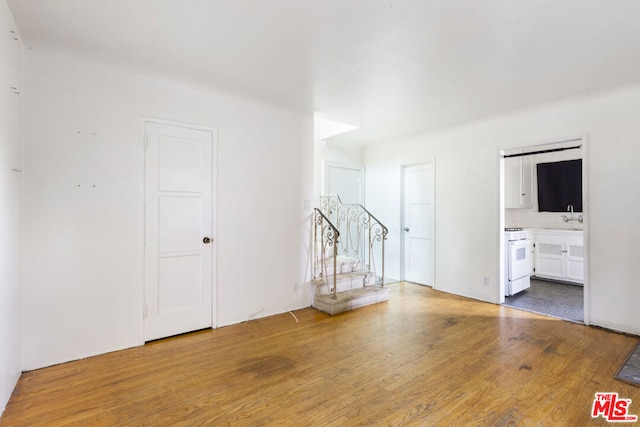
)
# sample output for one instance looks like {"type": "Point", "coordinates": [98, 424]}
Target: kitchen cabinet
{"type": "Point", "coordinates": [518, 182]}
{"type": "Point", "coordinates": [559, 255]}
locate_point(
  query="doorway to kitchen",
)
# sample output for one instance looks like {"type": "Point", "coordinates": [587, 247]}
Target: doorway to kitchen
{"type": "Point", "coordinates": [543, 229]}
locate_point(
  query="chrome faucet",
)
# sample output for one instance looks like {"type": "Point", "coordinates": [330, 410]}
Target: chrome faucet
{"type": "Point", "coordinates": [567, 219]}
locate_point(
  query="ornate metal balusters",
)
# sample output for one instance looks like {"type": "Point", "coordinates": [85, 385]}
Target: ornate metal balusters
{"type": "Point", "coordinates": [362, 234]}
{"type": "Point", "coordinates": [327, 235]}
{"type": "Point", "coordinates": [377, 233]}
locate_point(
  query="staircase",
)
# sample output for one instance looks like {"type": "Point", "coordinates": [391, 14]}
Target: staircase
{"type": "Point", "coordinates": [348, 257]}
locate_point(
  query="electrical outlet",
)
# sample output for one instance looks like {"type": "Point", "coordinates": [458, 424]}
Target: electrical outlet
{"type": "Point", "coordinates": [485, 281]}
{"type": "Point", "coordinates": [295, 287]}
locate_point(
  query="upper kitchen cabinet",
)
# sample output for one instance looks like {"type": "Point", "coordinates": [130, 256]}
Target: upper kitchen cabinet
{"type": "Point", "coordinates": [519, 182]}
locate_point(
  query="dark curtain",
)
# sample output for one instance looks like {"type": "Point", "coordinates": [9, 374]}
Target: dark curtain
{"type": "Point", "coordinates": [560, 185]}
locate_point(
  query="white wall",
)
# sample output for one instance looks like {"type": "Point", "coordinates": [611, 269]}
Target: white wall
{"type": "Point", "coordinates": [83, 252]}
{"type": "Point", "coordinates": [10, 202]}
{"type": "Point", "coordinates": [467, 196]}
{"type": "Point", "coordinates": [336, 153]}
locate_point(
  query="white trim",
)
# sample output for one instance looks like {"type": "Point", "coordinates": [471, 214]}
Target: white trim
{"type": "Point", "coordinates": [151, 119]}
{"type": "Point", "coordinates": [585, 230]}
{"type": "Point", "coordinates": [500, 289]}
{"type": "Point", "coordinates": [214, 225]}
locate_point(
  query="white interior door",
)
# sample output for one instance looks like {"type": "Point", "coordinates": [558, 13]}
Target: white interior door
{"type": "Point", "coordinates": [179, 233]}
{"type": "Point", "coordinates": [418, 224]}
{"type": "Point", "coordinates": [345, 180]}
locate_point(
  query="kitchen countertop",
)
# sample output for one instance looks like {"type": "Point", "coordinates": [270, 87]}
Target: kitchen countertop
{"type": "Point", "coordinates": [555, 230]}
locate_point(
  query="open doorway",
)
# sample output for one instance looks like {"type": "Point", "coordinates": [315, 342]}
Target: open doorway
{"type": "Point", "coordinates": [544, 218]}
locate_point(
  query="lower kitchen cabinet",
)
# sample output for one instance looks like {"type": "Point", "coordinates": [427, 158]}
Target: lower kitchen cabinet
{"type": "Point", "coordinates": [559, 255]}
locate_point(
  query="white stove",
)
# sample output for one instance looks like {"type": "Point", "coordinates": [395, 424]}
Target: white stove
{"type": "Point", "coordinates": [517, 260]}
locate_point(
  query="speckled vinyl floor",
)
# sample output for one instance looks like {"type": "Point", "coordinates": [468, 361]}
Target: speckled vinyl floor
{"type": "Point", "coordinates": [551, 298]}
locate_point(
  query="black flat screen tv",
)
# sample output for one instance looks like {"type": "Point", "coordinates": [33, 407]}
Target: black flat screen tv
{"type": "Point", "coordinates": [560, 185]}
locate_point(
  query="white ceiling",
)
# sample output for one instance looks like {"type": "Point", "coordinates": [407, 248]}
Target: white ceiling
{"type": "Point", "coordinates": [390, 67]}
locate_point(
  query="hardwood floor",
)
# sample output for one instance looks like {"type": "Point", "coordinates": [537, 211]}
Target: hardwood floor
{"type": "Point", "coordinates": [422, 358]}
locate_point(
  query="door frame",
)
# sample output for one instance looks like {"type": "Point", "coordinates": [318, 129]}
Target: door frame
{"type": "Point", "coordinates": [582, 139]}
{"type": "Point", "coordinates": [403, 169]}
{"type": "Point", "coordinates": [330, 163]}
{"type": "Point", "coordinates": [214, 210]}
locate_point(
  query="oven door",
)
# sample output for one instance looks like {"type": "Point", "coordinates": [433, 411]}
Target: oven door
{"type": "Point", "coordinates": [519, 259]}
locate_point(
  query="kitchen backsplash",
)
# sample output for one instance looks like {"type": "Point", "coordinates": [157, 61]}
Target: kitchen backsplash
{"type": "Point", "coordinates": [529, 218]}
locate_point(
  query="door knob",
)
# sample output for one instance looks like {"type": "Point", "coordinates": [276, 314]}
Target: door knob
{"type": "Point", "coordinates": [406, 229]}
{"type": "Point", "coordinates": [206, 240]}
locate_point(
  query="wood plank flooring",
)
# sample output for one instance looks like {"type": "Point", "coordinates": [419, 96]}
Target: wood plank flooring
{"type": "Point", "coordinates": [422, 358]}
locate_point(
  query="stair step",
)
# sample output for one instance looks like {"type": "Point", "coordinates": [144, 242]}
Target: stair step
{"type": "Point", "coordinates": [350, 300]}
{"type": "Point", "coordinates": [344, 282]}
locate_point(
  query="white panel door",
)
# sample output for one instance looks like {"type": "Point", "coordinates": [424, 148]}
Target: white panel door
{"type": "Point", "coordinates": [418, 224]}
{"type": "Point", "coordinates": [346, 181]}
{"type": "Point", "coordinates": [179, 238]}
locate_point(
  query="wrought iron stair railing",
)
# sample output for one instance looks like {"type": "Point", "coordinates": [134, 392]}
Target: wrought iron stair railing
{"type": "Point", "coordinates": [362, 234]}
{"type": "Point", "coordinates": [325, 238]}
